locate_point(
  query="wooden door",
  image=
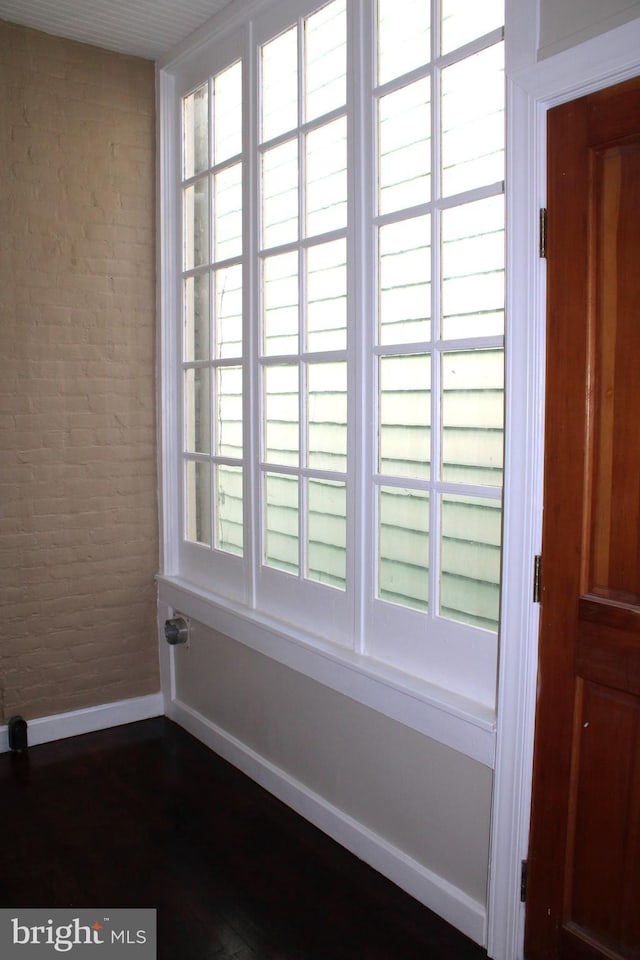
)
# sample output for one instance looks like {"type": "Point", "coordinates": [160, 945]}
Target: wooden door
{"type": "Point", "coordinates": [583, 896]}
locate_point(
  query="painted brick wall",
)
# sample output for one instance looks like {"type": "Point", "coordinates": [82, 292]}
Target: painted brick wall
{"type": "Point", "coordinates": [78, 512]}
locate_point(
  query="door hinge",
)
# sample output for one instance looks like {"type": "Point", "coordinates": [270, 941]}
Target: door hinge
{"type": "Point", "coordinates": [543, 232]}
{"type": "Point", "coordinates": [523, 881]}
{"type": "Point", "coordinates": [537, 577]}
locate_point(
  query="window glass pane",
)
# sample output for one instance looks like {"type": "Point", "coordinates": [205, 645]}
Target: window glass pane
{"type": "Point", "coordinates": [196, 224]}
{"type": "Point", "coordinates": [404, 40]}
{"type": "Point", "coordinates": [227, 212]}
{"type": "Point", "coordinates": [197, 405]}
{"type": "Point", "coordinates": [327, 532]}
{"type": "Point", "coordinates": [327, 416]}
{"type": "Point", "coordinates": [404, 145]}
{"type": "Point", "coordinates": [279, 84]}
{"type": "Point", "coordinates": [326, 178]}
{"type": "Point", "coordinates": [280, 194]}
{"type": "Point", "coordinates": [227, 113]}
{"type": "Point", "coordinates": [325, 59]}
{"type": "Point", "coordinates": [470, 561]}
{"type": "Point", "coordinates": [281, 422]}
{"type": "Point", "coordinates": [405, 416]}
{"type": "Point", "coordinates": [228, 509]}
{"type": "Point", "coordinates": [404, 277]}
{"type": "Point", "coordinates": [473, 121]}
{"type": "Point", "coordinates": [197, 527]}
{"type": "Point", "coordinates": [196, 317]}
{"type": "Point", "coordinates": [472, 416]}
{"type": "Point", "coordinates": [281, 537]}
{"type": "Point", "coordinates": [464, 20]}
{"type": "Point", "coordinates": [195, 132]}
{"type": "Point", "coordinates": [403, 547]}
{"type": "Point", "coordinates": [280, 304]}
{"type": "Point", "coordinates": [229, 412]}
{"type": "Point", "coordinates": [228, 311]}
{"type": "Point", "coordinates": [473, 269]}
{"type": "Point", "coordinates": [326, 291]}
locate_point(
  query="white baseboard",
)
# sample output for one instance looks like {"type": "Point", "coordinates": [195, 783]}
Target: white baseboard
{"type": "Point", "coordinates": [436, 893]}
{"type": "Point", "coordinates": [62, 725]}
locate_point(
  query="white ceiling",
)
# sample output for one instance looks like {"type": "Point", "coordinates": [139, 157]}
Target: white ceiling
{"type": "Point", "coordinates": [145, 28]}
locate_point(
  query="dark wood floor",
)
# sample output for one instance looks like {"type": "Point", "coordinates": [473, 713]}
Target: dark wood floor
{"type": "Point", "coordinates": [144, 815]}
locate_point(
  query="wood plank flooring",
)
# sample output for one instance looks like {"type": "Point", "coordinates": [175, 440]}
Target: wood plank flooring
{"type": "Point", "coordinates": [145, 815]}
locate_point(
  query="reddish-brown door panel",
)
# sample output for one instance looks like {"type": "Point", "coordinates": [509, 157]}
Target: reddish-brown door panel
{"type": "Point", "coordinates": [584, 856]}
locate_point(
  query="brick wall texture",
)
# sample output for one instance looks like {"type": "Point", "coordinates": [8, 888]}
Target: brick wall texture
{"type": "Point", "coordinates": [78, 510]}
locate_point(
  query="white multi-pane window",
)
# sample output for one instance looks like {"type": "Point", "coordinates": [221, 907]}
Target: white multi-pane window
{"type": "Point", "coordinates": [342, 319]}
{"type": "Point", "coordinates": [212, 313]}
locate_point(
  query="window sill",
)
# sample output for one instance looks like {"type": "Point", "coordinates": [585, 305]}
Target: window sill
{"type": "Point", "coordinates": [448, 718]}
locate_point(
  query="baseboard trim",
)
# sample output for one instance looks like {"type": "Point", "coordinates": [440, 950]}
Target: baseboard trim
{"type": "Point", "coordinates": [62, 725]}
{"type": "Point", "coordinates": [436, 893]}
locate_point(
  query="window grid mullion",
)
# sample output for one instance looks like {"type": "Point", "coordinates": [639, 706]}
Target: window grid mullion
{"type": "Point", "coordinates": [302, 494]}
{"type": "Point", "coordinates": [213, 426]}
{"type": "Point", "coordinates": [252, 331]}
{"type": "Point", "coordinates": [436, 291]}
{"type": "Point", "coordinates": [436, 30]}
{"type": "Point", "coordinates": [434, 496]}
{"type": "Point", "coordinates": [359, 153]}
{"type": "Point", "coordinates": [436, 298]}
{"type": "Point", "coordinates": [302, 462]}
{"type": "Point", "coordinates": [442, 203]}
{"type": "Point", "coordinates": [468, 50]}
{"type": "Point", "coordinates": [211, 110]}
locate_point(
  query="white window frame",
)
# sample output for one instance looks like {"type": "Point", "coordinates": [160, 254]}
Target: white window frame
{"type": "Point", "coordinates": [461, 713]}
{"type": "Point", "coordinates": [305, 602]}
{"type": "Point", "coordinates": [198, 564]}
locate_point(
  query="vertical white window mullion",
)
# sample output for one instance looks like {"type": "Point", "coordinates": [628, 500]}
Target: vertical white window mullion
{"type": "Point", "coordinates": [371, 424]}
{"type": "Point", "coordinates": [370, 358]}
{"type": "Point", "coordinates": [434, 496]}
{"type": "Point", "coordinates": [302, 379]}
{"type": "Point", "coordinates": [436, 290]}
{"type": "Point", "coordinates": [436, 29]}
{"type": "Point", "coordinates": [301, 144]}
{"type": "Point", "coordinates": [179, 330]}
{"type": "Point", "coordinates": [173, 461]}
{"type": "Point", "coordinates": [252, 320]}
{"type": "Point", "coordinates": [211, 366]}
{"type": "Point", "coordinates": [436, 413]}
{"type": "Point", "coordinates": [302, 440]}
{"type": "Point", "coordinates": [361, 301]}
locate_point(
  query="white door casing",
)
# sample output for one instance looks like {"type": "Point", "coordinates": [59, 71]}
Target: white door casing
{"type": "Point", "coordinates": [532, 89]}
